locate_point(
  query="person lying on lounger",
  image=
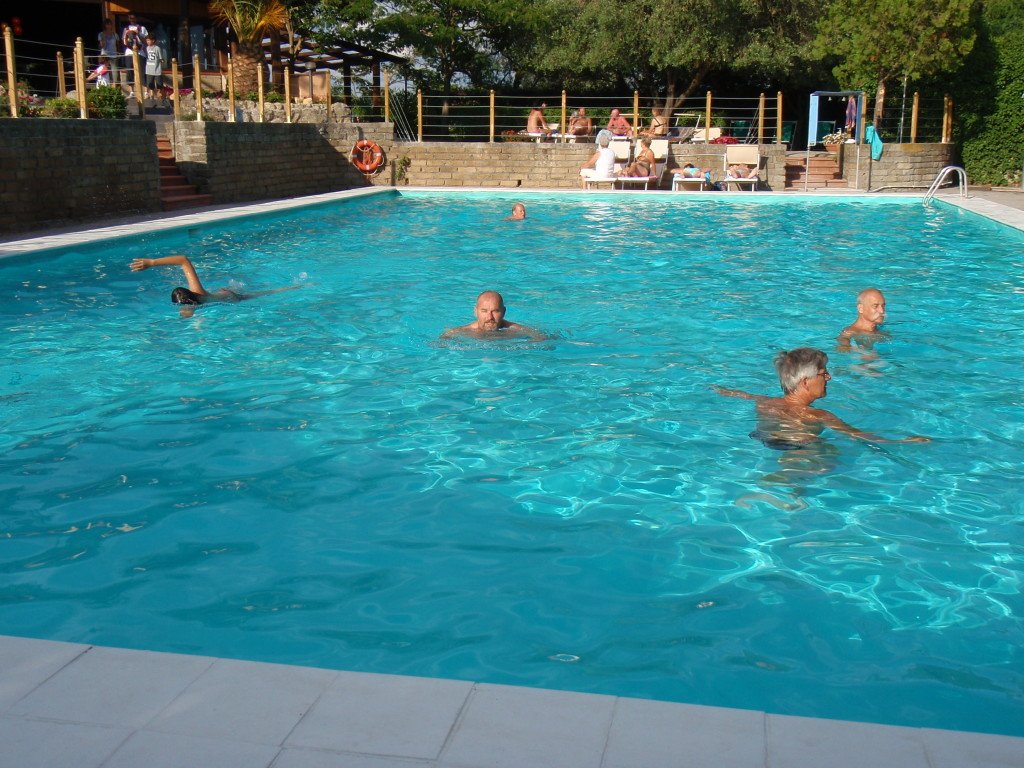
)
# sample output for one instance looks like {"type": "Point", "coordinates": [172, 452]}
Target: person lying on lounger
{"type": "Point", "coordinates": [490, 321]}
{"type": "Point", "coordinates": [195, 294]}
{"type": "Point", "coordinates": [789, 422]}
{"type": "Point", "coordinates": [742, 172]}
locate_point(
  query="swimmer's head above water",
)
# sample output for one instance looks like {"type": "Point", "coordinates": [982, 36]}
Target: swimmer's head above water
{"type": "Point", "coordinates": [185, 296]}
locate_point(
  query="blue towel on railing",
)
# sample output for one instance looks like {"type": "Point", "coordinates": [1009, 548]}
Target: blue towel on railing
{"type": "Point", "coordinates": [871, 137]}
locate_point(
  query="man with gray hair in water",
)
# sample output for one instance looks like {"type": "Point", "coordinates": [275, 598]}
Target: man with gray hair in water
{"type": "Point", "coordinates": [870, 314]}
{"type": "Point", "coordinates": [789, 422]}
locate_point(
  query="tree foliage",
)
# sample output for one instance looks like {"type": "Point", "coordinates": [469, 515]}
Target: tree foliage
{"type": "Point", "coordinates": [668, 47]}
{"type": "Point", "coordinates": [875, 41]}
{"type": "Point", "coordinates": [250, 20]}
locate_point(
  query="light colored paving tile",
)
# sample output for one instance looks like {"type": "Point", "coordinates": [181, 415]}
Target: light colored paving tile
{"type": "Point", "coordinates": [28, 743]}
{"type": "Point", "coordinates": [797, 742]}
{"type": "Point", "coordinates": [506, 727]}
{"type": "Point", "coordinates": [383, 715]}
{"type": "Point", "coordinates": [146, 749]}
{"type": "Point", "coordinates": [655, 734]}
{"type": "Point", "coordinates": [316, 758]}
{"type": "Point", "coordinates": [246, 701]}
{"type": "Point", "coordinates": [112, 686]}
{"type": "Point", "coordinates": [26, 664]}
{"type": "Point", "coordinates": [955, 749]}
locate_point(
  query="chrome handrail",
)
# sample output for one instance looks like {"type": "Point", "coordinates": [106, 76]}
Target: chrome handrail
{"type": "Point", "coordinates": [945, 172]}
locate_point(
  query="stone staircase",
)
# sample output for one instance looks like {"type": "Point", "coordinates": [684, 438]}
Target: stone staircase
{"type": "Point", "coordinates": [821, 172]}
{"type": "Point", "coordinates": [175, 191]}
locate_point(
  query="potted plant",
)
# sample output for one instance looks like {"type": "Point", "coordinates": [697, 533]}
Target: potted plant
{"type": "Point", "coordinates": [833, 141]}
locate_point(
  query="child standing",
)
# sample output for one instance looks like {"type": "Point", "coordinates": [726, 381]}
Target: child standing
{"type": "Point", "coordinates": [154, 68]}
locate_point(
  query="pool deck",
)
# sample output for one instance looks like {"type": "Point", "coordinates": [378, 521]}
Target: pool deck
{"type": "Point", "coordinates": [83, 706]}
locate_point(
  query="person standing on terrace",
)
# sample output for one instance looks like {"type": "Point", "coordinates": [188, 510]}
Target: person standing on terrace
{"type": "Point", "coordinates": [110, 47]}
{"type": "Point", "coordinates": [619, 125]}
{"type": "Point", "coordinates": [133, 37]}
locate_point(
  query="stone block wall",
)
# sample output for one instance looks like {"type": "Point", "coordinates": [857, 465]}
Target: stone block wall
{"type": "Point", "coordinates": [901, 167]}
{"type": "Point", "coordinates": [54, 172]}
{"type": "Point", "coordinates": [237, 162]}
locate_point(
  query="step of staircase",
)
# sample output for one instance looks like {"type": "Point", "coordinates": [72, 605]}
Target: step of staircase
{"type": "Point", "coordinates": [816, 172]}
{"type": "Point", "coordinates": [176, 193]}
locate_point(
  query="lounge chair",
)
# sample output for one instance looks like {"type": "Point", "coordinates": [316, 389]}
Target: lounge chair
{"type": "Point", "coordinates": [699, 183]}
{"type": "Point", "coordinates": [748, 155]}
{"type": "Point", "coordinates": [706, 134]}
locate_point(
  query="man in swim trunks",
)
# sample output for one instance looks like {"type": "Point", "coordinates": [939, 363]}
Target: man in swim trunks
{"type": "Point", "coordinates": [619, 125]}
{"type": "Point", "coordinates": [870, 315]}
{"type": "Point", "coordinates": [195, 294]}
{"type": "Point", "coordinates": [789, 422]}
{"type": "Point", "coordinates": [490, 321]}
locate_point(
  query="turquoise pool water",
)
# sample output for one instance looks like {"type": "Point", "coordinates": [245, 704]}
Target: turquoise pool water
{"type": "Point", "coordinates": [314, 478]}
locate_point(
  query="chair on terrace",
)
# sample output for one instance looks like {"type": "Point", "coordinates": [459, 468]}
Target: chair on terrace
{"type": "Point", "coordinates": [747, 156]}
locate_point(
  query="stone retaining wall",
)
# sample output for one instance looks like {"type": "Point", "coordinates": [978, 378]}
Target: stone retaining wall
{"type": "Point", "coordinates": [236, 162]}
{"type": "Point", "coordinates": [901, 167]}
{"type": "Point", "coordinates": [55, 172]}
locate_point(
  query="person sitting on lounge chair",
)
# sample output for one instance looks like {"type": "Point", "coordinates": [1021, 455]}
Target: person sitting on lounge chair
{"type": "Point", "coordinates": [580, 124]}
{"type": "Point", "coordinates": [535, 123]}
{"type": "Point", "coordinates": [601, 164]}
{"type": "Point", "coordinates": [643, 164]}
{"type": "Point", "coordinates": [741, 172]}
{"type": "Point", "coordinates": [619, 125]}
{"type": "Point", "coordinates": [659, 124]}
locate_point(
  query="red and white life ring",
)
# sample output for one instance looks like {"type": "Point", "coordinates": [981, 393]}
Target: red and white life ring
{"type": "Point", "coordinates": [367, 156]}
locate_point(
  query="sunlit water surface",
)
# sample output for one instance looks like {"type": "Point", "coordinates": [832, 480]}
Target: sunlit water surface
{"type": "Point", "coordinates": [314, 478]}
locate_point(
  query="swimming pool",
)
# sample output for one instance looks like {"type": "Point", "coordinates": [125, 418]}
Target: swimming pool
{"type": "Point", "coordinates": [314, 478]}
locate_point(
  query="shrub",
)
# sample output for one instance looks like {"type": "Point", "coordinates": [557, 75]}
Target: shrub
{"type": "Point", "coordinates": [60, 107]}
{"type": "Point", "coordinates": [107, 102]}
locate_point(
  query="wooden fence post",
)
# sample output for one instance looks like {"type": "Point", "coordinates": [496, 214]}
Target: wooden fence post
{"type": "Point", "coordinates": [287, 94]}
{"type": "Point", "coordinates": [760, 119]}
{"type": "Point", "coordinates": [563, 126]}
{"type": "Point", "coordinates": [139, 85]}
{"type": "Point", "coordinates": [176, 95]}
{"type": "Point", "coordinates": [83, 109]}
{"type": "Point", "coordinates": [913, 117]}
{"type": "Point", "coordinates": [778, 118]}
{"type": "Point", "coordinates": [947, 119]}
{"type": "Point", "coordinates": [491, 139]}
{"type": "Point", "coordinates": [197, 87]}
{"type": "Point", "coordinates": [419, 114]}
{"type": "Point", "coordinates": [231, 90]}
{"type": "Point", "coordinates": [387, 96]}
{"type": "Point", "coordinates": [636, 113]}
{"type": "Point", "coordinates": [259, 92]}
{"type": "Point", "coordinates": [329, 96]}
{"type": "Point", "coordinates": [12, 80]}
{"type": "Point", "coordinates": [707, 118]}
{"type": "Point", "coordinates": [62, 83]}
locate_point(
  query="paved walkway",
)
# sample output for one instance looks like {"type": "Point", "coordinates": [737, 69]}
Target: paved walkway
{"type": "Point", "coordinates": [64, 705]}
{"type": "Point", "coordinates": [80, 706]}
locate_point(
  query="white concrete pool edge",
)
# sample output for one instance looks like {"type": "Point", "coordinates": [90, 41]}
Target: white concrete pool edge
{"type": "Point", "coordinates": [68, 704]}
{"type": "Point", "coordinates": [146, 225]}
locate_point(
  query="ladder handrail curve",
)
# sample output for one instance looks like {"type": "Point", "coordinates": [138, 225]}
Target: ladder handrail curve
{"type": "Point", "coordinates": [943, 174]}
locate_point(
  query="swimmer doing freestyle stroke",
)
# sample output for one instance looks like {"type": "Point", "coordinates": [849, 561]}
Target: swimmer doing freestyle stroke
{"type": "Point", "coordinates": [195, 294]}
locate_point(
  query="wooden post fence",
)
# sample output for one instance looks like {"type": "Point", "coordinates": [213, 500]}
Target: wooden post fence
{"type": "Point", "coordinates": [778, 118]}
{"type": "Point", "coordinates": [491, 110]}
{"type": "Point", "coordinates": [947, 119]}
{"type": "Point", "coordinates": [419, 114]}
{"type": "Point", "coordinates": [139, 85]}
{"type": "Point", "coordinates": [387, 98]}
{"type": "Point", "coordinates": [328, 118]}
{"type": "Point", "coordinates": [12, 80]}
{"type": "Point", "coordinates": [636, 112]}
{"type": "Point", "coordinates": [563, 126]}
{"type": "Point", "coordinates": [197, 87]}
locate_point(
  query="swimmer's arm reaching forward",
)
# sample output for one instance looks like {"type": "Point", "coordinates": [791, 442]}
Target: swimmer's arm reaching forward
{"type": "Point", "coordinates": [832, 421]}
{"type": "Point", "coordinates": [194, 285]}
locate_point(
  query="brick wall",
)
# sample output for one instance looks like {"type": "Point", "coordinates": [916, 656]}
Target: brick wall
{"type": "Point", "coordinates": [902, 166]}
{"type": "Point", "coordinates": [55, 172]}
{"type": "Point", "coordinates": [236, 162]}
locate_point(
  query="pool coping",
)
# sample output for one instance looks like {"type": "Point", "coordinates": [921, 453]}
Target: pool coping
{"type": "Point", "coordinates": [85, 705]}
{"type": "Point", "coordinates": [71, 704]}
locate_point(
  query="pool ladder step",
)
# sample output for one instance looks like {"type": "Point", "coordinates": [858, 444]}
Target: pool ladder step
{"type": "Point", "coordinates": [176, 192]}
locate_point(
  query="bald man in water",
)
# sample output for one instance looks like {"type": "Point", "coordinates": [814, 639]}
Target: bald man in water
{"type": "Point", "coordinates": [870, 315]}
{"type": "Point", "coordinates": [490, 321]}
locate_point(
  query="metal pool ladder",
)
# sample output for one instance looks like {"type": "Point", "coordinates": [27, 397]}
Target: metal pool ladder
{"type": "Point", "coordinates": [943, 175]}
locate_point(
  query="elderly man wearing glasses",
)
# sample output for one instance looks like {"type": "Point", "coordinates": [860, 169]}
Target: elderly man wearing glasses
{"type": "Point", "coordinates": [789, 422]}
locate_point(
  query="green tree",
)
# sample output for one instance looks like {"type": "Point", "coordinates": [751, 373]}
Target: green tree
{"type": "Point", "coordinates": [876, 41]}
{"type": "Point", "coordinates": [250, 20]}
{"type": "Point", "coordinates": [989, 97]}
{"type": "Point", "coordinates": [669, 47]}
